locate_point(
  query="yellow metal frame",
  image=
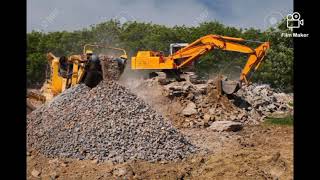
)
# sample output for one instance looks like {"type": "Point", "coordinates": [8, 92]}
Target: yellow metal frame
{"type": "Point", "coordinates": [151, 60]}
{"type": "Point", "coordinates": [58, 83]}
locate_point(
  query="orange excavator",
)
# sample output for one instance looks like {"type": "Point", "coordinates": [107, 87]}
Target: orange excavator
{"type": "Point", "coordinates": [189, 53]}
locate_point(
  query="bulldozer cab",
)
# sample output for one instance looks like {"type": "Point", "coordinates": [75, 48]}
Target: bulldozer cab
{"type": "Point", "coordinates": [66, 72]}
{"type": "Point", "coordinates": [65, 68]}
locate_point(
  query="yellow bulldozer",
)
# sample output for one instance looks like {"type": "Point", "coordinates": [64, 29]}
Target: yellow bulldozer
{"type": "Point", "coordinates": [88, 68]}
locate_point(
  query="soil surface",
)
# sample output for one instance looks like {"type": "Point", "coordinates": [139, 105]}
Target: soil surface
{"type": "Point", "coordinates": [255, 152]}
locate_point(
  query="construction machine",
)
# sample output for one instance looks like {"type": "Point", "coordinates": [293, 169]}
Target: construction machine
{"type": "Point", "coordinates": [183, 55]}
{"type": "Point", "coordinates": [87, 68]}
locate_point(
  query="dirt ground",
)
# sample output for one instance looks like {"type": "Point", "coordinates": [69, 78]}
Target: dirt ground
{"type": "Point", "coordinates": [255, 152]}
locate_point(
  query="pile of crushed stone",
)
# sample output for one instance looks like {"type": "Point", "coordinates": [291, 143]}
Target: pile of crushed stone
{"type": "Point", "coordinates": [107, 122]}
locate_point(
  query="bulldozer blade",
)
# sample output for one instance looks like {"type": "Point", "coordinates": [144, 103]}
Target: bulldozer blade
{"type": "Point", "coordinates": [230, 87]}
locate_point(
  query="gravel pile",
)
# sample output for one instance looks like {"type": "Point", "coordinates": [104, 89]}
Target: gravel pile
{"type": "Point", "coordinates": [110, 68]}
{"type": "Point", "coordinates": [105, 123]}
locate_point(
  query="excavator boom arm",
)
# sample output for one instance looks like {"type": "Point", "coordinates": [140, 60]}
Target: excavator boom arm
{"type": "Point", "coordinates": [210, 42]}
{"type": "Point", "coordinates": [254, 61]}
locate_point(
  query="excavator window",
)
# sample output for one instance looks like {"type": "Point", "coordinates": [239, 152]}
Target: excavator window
{"type": "Point", "coordinates": [175, 49]}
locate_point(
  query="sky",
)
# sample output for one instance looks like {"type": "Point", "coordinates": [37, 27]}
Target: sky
{"type": "Point", "coordinates": [69, 15]}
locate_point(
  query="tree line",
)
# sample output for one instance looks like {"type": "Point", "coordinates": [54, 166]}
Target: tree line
{"type": "Point", "coordinates": [276, 70]}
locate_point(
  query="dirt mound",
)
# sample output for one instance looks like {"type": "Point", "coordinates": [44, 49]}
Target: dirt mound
{"type": "Point", "coordinates": [107, 122]}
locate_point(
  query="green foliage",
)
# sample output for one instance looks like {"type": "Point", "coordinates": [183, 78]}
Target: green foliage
{"type": "Point", "coordinates": [133, 36]}
{"type": "Point", "coordinates": [280, 121]}
{"type": "Point", "coordinates": [277, 69]}
{"type": "Point", "coordinates": [35, 68]}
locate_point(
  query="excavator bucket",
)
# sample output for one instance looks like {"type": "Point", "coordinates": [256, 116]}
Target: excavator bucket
{"type": "Point", "coordinates": [227, 86]}
{"type": "Point", "coordinates": [230, 87]}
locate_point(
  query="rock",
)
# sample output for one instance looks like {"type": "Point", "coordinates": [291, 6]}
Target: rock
{"type": "Point", "coordinates": [271, 106]}
{"type": "Point", "coordinates": [225, 126]}
{"type": "Point", "coordinates": [54, 175]}
{"type": "Point", "coordinates": [123, 171]}
{"type": "Point", "coordinates": [190, 97]}
{"type": "Point", "coordinates": [206, 118]}
{"type": "Point", "coordinates": [63, 164]}
{"type": "Point", "coordinates": [52, 161]}
{"type": "Point", "coordinates": [163, 162]}
{"type": "Point", "coordinates": [164, 81]}
{"type": "Point", "coordinates": [212, 111]}
{"type": "Point", "coordinates": [201, 88]}
{"type": "Point", "coordinates": [190, 109]}
{"type": "Point", "coordinates": [107, 175]}
{"type": "Point", "coordinates": [200, 123]}
{"type": "Point", "coordinates": [240, 115]}
{"type": "Point", "coordinates": [95, 161]}
{"type": "Point", "coordinates": [119, 159]}
{"type": "Point", "coordinates": [35, 173]}
{"type": "Point", "coordinates": [263, 100]}
{"type": "Point", "coordinates": [109, 163]}
{"type": "Point", "coordinates": [176, 93]}
{"type": "Point", "coordinates": [275, 156]}
{"type": "Point", "coordinates": [233, 117]}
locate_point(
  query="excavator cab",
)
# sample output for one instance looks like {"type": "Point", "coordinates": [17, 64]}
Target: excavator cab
{"type": "Point", "coordinates": [174, 47]}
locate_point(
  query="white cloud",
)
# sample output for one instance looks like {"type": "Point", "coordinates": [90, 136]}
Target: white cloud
{"type": "Point", "coordinates": [77, 14]}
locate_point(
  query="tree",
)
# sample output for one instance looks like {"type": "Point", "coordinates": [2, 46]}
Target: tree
{"type": "Point", "coordinates": [36, 67]}
{"type": "Point", "coordinates": [277, 68]}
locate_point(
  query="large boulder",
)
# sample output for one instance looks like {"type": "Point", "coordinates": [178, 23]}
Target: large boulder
{"type": "Point", "coordinates": [190, 109]}
{"type": "Point", "coordinates": [225, 126]}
